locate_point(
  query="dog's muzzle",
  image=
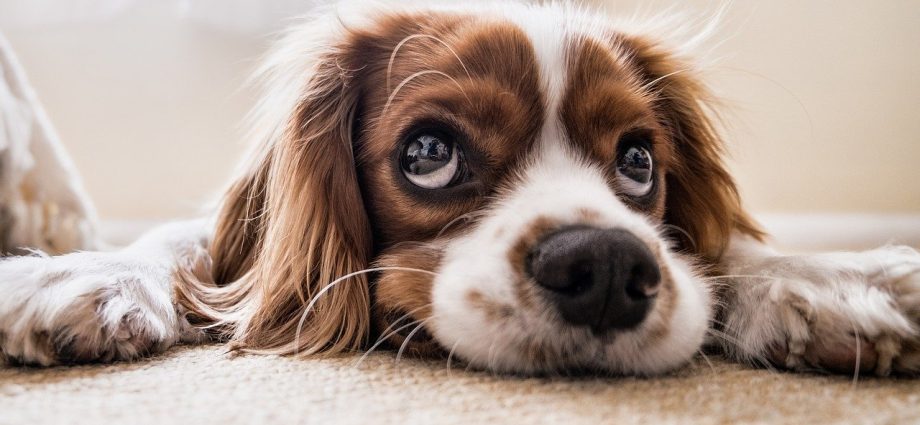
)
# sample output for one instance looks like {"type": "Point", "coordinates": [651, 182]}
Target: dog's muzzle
{"type": "Point", "coordinates": [600, 278]}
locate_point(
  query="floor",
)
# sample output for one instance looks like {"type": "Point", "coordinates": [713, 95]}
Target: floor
{"type": "Point", "coordinates": [203, 385]}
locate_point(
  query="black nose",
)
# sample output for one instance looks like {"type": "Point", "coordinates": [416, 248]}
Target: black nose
{"type": "Point", "coordinates": [601, 278]}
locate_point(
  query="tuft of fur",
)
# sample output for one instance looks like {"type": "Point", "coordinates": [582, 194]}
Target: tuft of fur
{"type": "Point", "coordinates": [294, 222]}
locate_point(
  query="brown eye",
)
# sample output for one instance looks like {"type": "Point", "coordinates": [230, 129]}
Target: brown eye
{"type": "Point", "coordinates": [431, 160]}
{"type": "Point", "coordinates": [634, 167]}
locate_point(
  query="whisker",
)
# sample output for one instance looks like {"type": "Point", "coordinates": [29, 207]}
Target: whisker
{"type": "Point", "coordinates": [381, 340]}
{"type": "Point", "coordinates": [416, 75]}
{"type": "Point", "coordinates": [412, 37]}
{"type": "Point", "coordinates": [740, 347]}
{"type": "Point", "coordinates": [466, 216]}
{"type": "Point", "coordinates": [645, 87]}
{"type": "Point", "coordinates": [726, 337]}
{"type": "Point", "coordinates": [800, 103]}
{"type": "Point", "coordinates": [743, 276]}
{"type": "Point", "coordinates": [717, 322]}
{"type": "Point", "coordinates": [313, 301]}
{"type": "Point", "coordinates": [683, 232]}
{"type": "Point", "coordinates": [469, 365]}
{"type": "Point", "coordinates": [390, 331]}
{"type": "Point", "coordinates": [450, 357]}
{"type": "Point", "coordinates": [405, 343]}
{"type": "Point", "coordinates": [858, 351]}
{"type": "Point", "coordinates": [706, 359]}
{"type": "Point", "coordinates": [490, 359]}
{"type": "Point", "coordinates": [858, 356]}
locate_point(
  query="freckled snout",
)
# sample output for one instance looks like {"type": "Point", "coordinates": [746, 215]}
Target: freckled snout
{"type": "Point", "coordinates": [601, 278]}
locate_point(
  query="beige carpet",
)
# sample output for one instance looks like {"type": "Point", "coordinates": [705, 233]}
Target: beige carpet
{"type": "Point", "coordinates": [201, 385]}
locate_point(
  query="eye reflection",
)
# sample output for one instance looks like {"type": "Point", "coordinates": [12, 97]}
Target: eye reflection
{"type": "Point", "coordinates": [635, 167]}
{"type": "Point", "coordinates": [426, 154]}
{"type": "Point", "coordinates": [430, 161]}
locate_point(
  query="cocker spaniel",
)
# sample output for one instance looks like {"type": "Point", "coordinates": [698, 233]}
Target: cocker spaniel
{"type": "Point", "coordinates": [528, 189]}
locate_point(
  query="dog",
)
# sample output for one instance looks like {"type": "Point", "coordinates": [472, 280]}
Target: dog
{"type": "Point", "coordinates": [525, 188]}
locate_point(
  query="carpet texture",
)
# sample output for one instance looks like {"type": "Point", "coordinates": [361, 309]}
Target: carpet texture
{"type": "Point", "coordinates": [202, 385]}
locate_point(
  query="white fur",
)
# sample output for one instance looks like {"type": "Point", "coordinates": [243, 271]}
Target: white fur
{"type": "Point", "coordinates": [556, 185]}
{"type": "Point", "coordinates": [119, 305]}
{"type": "Point", "coordinates": [868, 300]}
{"type": "Point", "coordinates": [107, 305]}
{"type": "Point", "coordinates": [478, 262]}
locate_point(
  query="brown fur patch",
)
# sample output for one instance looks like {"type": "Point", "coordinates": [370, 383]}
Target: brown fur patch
{"type": "Point", "coordinates": [524, 287]}
{"type": "Point", "coordinates": [702, 199]}
{"type": "Point", "coordinates": [6, 230]}
{"type": "Point", "coordinates": [588, 216]}
{"type": "Point", "coordinates": [492, 310]}
{"type": "Point", "coordinates": [403, 297]}
{"type": "Point", "coordinates": [602, 103]}
{"type": "Point", "coordinates": [488, 94]}
{"type": "Point", "coordinates": [44, 341]}
{"type": "Point", "coordinates": [631, 84]}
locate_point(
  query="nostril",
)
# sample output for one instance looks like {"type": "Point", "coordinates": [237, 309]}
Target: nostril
{"type": "Point", "coordinates": [643, 282]}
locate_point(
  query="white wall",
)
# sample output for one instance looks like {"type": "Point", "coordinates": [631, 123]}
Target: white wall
{"type": "Point", "coordinates": [824, 101]}
{"type": "Point", "coordinates": [825, 96]}
{"type": "Point", "coordinates": [148, 100]}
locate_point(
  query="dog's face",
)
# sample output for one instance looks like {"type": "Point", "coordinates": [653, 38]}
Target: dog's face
{"type": "Point", "coordinates": [530, 177]}
{"type": "Point", "coordinates": [514, 173]}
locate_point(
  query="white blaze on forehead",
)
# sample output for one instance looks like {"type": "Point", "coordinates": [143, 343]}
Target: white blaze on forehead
{"type": "Point", "coordinates": [554, 32]}
{"type": "Point", "coordinates": [548, 29]}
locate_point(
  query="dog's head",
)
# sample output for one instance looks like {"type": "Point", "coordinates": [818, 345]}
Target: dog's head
{"type": "Point", "coordinates": [534, 186]}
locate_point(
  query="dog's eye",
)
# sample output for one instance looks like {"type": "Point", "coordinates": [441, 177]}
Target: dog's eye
{"type": "Point", "coordinates": [431, 160]}
{"type": "Point", "coordinates": [634, 167]}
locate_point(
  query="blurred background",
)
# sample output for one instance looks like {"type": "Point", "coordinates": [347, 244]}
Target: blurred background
{"type": "Point", "coordinates": [822, 96]}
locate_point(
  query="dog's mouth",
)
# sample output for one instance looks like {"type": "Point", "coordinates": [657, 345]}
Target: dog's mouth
{"type": "Point", "coordinates": [579, 289]}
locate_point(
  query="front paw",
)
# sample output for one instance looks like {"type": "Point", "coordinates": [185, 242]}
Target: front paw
{"type": "Point", "coordinates": [81, 308]}
{"type": "Point", "coordinates": [838, 312]}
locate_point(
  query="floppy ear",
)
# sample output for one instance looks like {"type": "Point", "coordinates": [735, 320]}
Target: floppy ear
{"type": "Point", "coordinates": [291, 225]}
{"type": "Point", "coordinates": [702, 198]}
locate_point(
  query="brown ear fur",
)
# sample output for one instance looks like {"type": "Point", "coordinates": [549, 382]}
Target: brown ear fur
{"type": "Point", "coordinates": [702, 198]}
{"type": "Point", "coordinates": [288, 228]}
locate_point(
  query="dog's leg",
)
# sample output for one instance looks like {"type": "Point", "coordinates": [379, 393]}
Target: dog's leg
{"type": "Point", "coordinates": [833, 311]}
{"type": "Point", "coordinates": [98, 306]}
